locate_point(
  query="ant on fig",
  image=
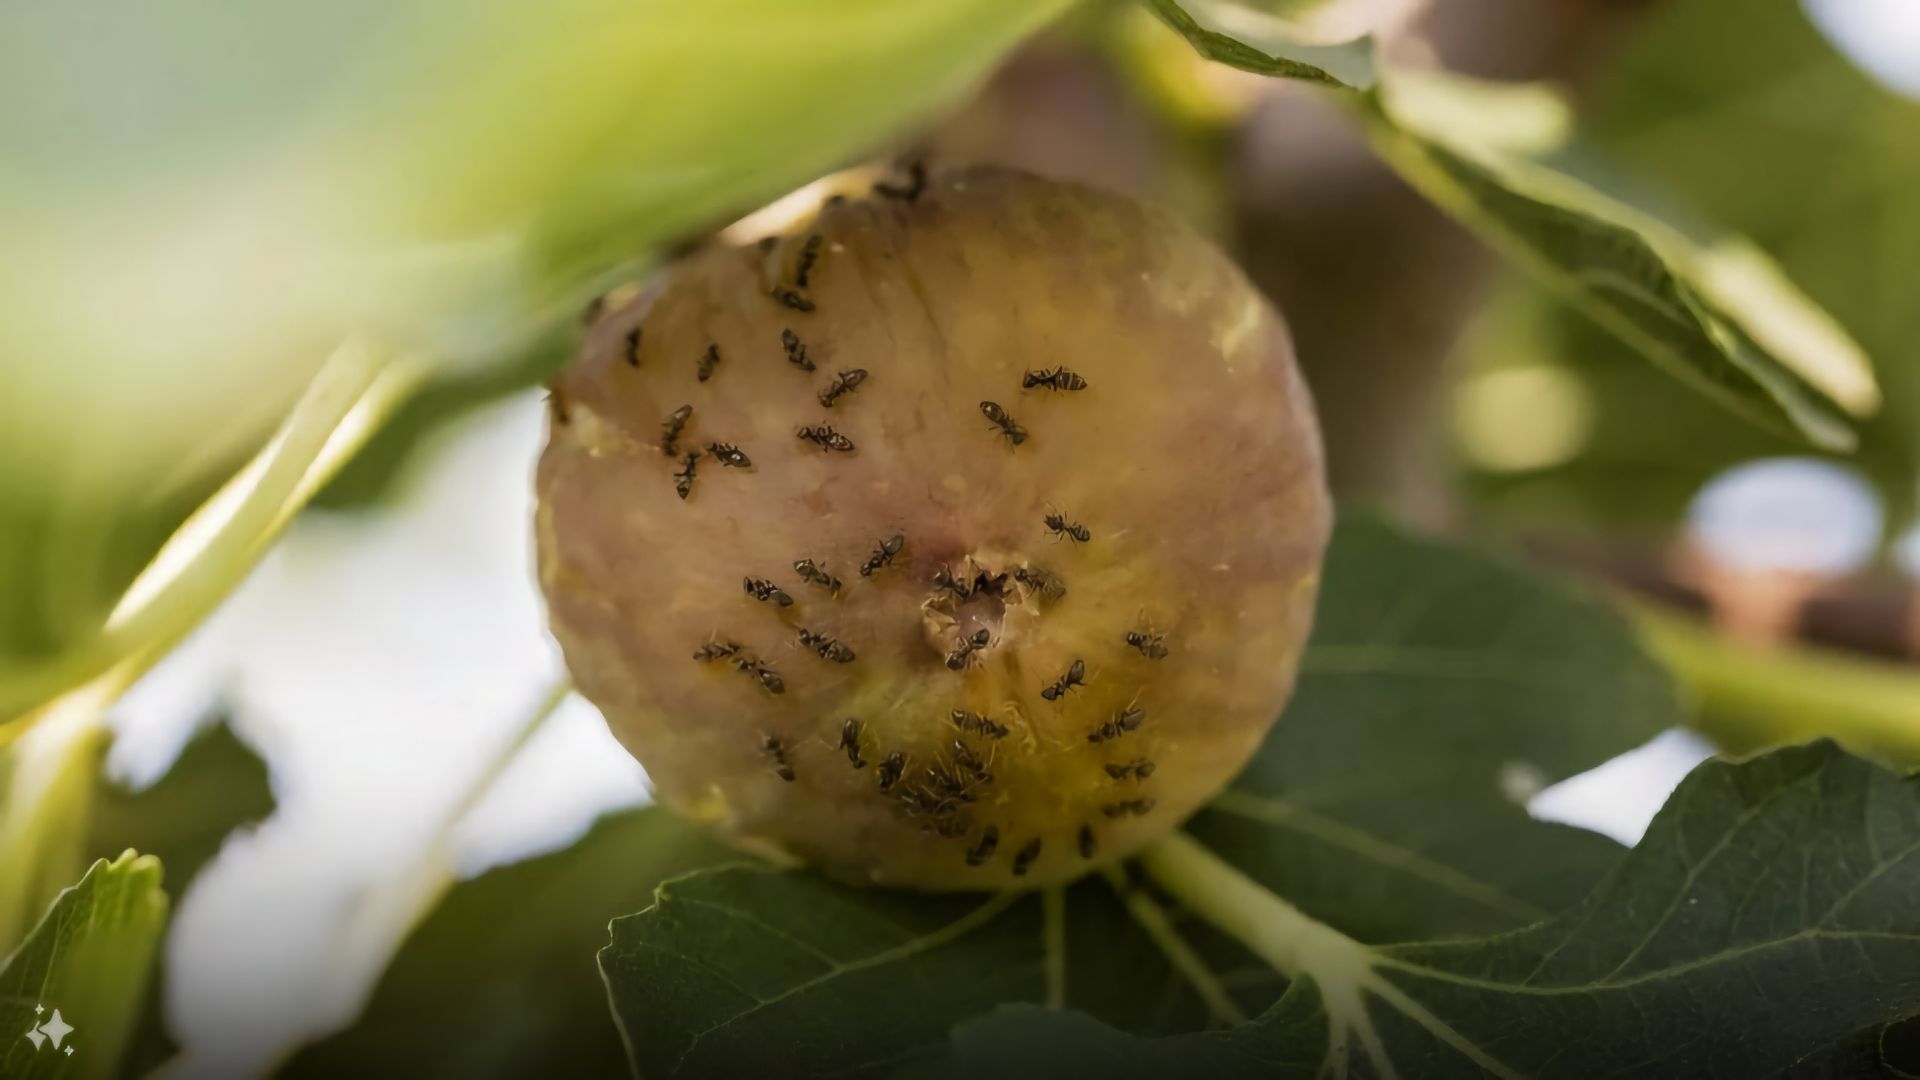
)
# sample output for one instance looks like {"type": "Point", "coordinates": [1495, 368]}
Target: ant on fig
{"type": "Point", "coordinates": [1012, 431]}
{"type": "Point", "coordinates": [1059, 526]}
{"type": "Point", "coordinates": [960, 656]}
{"type": "Point", "coordinates": [882, 555]}
{"type": "Point", "coordinates": [1076, 676]}
{"type": "Point", "coordinates": [1057, 379]}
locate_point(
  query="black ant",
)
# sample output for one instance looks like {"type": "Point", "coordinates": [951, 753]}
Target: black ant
{"type": "Point", "coordinates": [1057, 379]}
{"type": "Point", "coordinates": [762, 589]}
{"type": "Point", "coordinates": [729, 455]}
{"type": "Point", "coordinates": [715, 650]}
{"type": "Point", "coordinates": [1075, 676]}
{"type": "Point", "coordinates": [843, 383]}
{"type": "Point", "coordinates": [683, 480]}
{"type": "Point", "coordinates": [1152, 646]}
{"type": "Point", "coordinates": [708, 361]}
{"type": "Point", "coordinates": [943, 579]}
{"type": "Point", "coordinates": [1059, 526]}
{"type": "Point", "coordinates": [778, 753]}
{"type": "Point", "coordinates": [890, 770]}
{"type": "Point", "coordinates": [809, 252]}
{"type": "Point", "coordinates": [826, 438]}
{"type": "Point", "coordinates": [791, 298]}
{"type": "Point", "coordinates": [633, 347]}
{"type": "Point", "coordinates": [1124, 721]}
{"type": "Point", "coordinates": [1042, 581]}
{"type": "Point", "coordinates": [850, 742]}
{"type": "Point", "coordinates": [767, 676]}
{"type": "Point", "coordinates": [982, 851]}
{"type": "Point", "coordinates": [916, 184]}
{"type": "Point", "coordinates": [1136, 770]}
{"type": "Point", "coordinates": [796, 350]}
{"type": "Point", "coordinates": [959, 657]}
{"type": "Point", "coordinates": [1014, 433]}
{"type": "Point", "coordinates": [671, 428]}
{"type": "Point", "coordinates": [813, 574]}
{"type": "Point", "coordinates": [827, 647]}
{"type": "Point", "coordinates": [1087, 843]}
{"type": "Point", "coordinates": [1135, 807]}
{"type": "Point", "coordinates": [882, 554]}
{"type": "Point", "coordinates": [1023, 858]}
{"type": "Point", "coordinates": [977, 724]}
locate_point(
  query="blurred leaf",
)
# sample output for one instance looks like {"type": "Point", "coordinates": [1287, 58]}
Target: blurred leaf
{"type": "Point", "coordinates": [88, 958]}
{"type": "Point", "coordinates": [1267, 44]}
{"type": "Point", "coordinates": [46, 779]}
{"type": "Point", "coordinates": [1716, 316]}
{"type": "Point", "coordinates": [1442, 688]}
{"type": "Point", "coordinates": [1765, 921]}
{"type": "Point", "coordinates": [215, 787]}
{"type": "Point", "coordinates": [1435, 675]}
{"type": "Point", "coordinates": [443, 180]}
{"type": "Point", "coordinates": [499, 979]}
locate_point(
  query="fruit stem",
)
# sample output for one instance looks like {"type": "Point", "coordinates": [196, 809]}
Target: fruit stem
{"type": "Point", "coordinates": [1152, 918]}
{"type": "Point", "coordinates": [1272, 929]}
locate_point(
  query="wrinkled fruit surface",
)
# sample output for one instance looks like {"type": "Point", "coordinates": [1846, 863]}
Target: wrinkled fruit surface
{"type": "Point", "coordinates": [866, 579]}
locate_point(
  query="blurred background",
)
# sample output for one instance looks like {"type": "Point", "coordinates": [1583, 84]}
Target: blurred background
{"type": "Point", "coordinates": [383, 654]}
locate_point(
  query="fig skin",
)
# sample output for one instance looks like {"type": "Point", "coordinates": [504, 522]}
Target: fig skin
{"type": "Point", "coordinates": [1190, 458]}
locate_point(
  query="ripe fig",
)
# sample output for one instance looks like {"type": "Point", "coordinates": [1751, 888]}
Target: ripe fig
{"type": "Point", "coordinates": [965, 538]}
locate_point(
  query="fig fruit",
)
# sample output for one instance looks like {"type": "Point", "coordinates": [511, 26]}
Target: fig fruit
{"type": "Point", "coordinates": [965, 538]}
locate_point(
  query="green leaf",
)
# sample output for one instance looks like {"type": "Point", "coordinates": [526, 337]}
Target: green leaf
{"type": "Point", "coordinates": [499, 979]}
{"type": "Point", "coordinates": [1717, 316]}
{"type": "Point", "coordinates": [216, 786]}
{"type": "Point", "coordinates": [1437, 679]}
{"type": "Point", "coordinates": [446, 184]}
{"type": "Point", "coordinates": [46, 777]}
{"type": "Point", "coordinates": [1765, 922]}
{"type": "Point", "coordinates": [89, 959]}
{"type": "Point", "coordinates": [1267, 44]}
{"type": "Point", "coordinates": [1435, 673]}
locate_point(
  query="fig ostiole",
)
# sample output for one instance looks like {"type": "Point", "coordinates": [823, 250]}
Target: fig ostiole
{"type": "Point", "coordinates": [967, 537]}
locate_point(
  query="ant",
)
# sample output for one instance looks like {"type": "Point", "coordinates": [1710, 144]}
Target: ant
{"type": "Point", "coordinates": [633, 347]}
{"type": "Point", "coordinates": [982, 851]}
{"type": "Point", "coordinates": [796, 350]}
{"type": "Point", "coordinates": [882, 555]}
{"type": "Point", "coordinates": [1087, 843]}
{"type": "Point", "coordinates": [977, 724]}
{"type": "Point", "coordinates": [1137, 770]}
{"type": "Point", "coordinates": [809, 252]}
{"type": "Point", "coordinates": [1136, 807]}
{"type": "Point", "coordinates": [778, 754]}
{"type": "Point", "coordinates": [850, 742]}
{"type": "Point", "coordinates": [890, 770]}
{"type": "Point", "coordinates": [708, 361]}
{"type": "Point", "coordinates": [762, 589]}
{"type": "Point", "coordinates": [1014, 433]}
{"type": "Point", "coordinates": [1025, 856]}
{"type": "Point", "coordinates": [715, 650]}
{"type": "Point", "coordinates": [960, 656]}
{"type": "Point", "coordinates": [1057, 379]}
{"type": "Point", "coordinates": [1124, 721]}
{"type": "Point", "coordinates": [826, 438]}
{"type": "Point", "coordinates": [671, 429]}
{"type": "Point", "coordinates": [943, 579]}
{"type": "Point", "coordinates": [729, 455]}
{"type": "Point", "coordinates": [809, 572]}
{"type": "Point", "coordinates": [1042, 581]}
{"type": "Point", "coordinates": [683, 480]}
{"type": "Point", "coordinates": [767, 676]}
{"type": "Point", "coordinates": [791, 298]}
{"type": "Point", "coordinates": [843, 383]}
{"type": "Point", "coordinates": [1075, 676]}
{"type": "Point", "coordinates": [827, 647]}
{"type": "Point", "coordinates": [1059, 526]}
{"type": "Point", "coordinates": [1150, 645]}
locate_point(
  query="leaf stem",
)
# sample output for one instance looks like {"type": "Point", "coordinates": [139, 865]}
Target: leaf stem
{"type": "Point", "coordinates": [1152, 918]}
{"type": "Point", "coordinates": [1054, 907]}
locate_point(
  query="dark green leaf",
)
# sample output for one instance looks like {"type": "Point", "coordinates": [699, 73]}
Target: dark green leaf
{"type": "Point", "coordinates": [499, 980]}
{"type": "Point", "coordinates": [88, 959]}
{"type": "Point", "coordinates": [1266, 44]}
{"type": "Point", "coordinates": [216, 786]}
{"type": "Point", "coordinates": [1376, 804]}
{"type": "Point", "coordinates": [1765, 922]}
{"type": "Point", "coordinates": [1437, 677]}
